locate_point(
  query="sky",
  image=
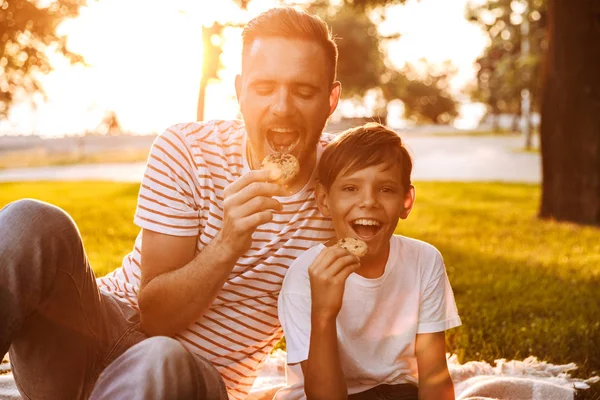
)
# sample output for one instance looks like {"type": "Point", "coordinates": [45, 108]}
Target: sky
{"type": "Point", "coordinates": [144, 62]}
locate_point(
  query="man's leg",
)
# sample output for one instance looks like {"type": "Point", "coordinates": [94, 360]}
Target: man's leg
{"type": "Point", "coordinates": [52, 314]}
{"type": "Point", "coordinates": [159, 368]}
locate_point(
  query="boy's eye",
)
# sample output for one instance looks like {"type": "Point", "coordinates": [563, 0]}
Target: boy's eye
{"type": "Point", "coordinates": [387, 190]}
{"type": "Point", "coordinates": [349, 188]}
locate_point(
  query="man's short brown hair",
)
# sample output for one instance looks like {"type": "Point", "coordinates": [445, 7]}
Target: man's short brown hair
{"type": "Point", "coordinates": [362, 147]}
{"type": "Point", "coordinates": [292, 23]}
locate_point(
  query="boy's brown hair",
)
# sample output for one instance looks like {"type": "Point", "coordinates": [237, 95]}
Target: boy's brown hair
{"type": "Point", "coordinates": [362, 147]}
{"type": "Point", "coordinates": [292, 23]}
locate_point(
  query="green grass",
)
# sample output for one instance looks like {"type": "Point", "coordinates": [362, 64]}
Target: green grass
{"type": "Point", "coordinates": [103, 211]}
{"type": "Point", "coordinates": [40, 157]}
{"type": "Point", "coordinates": [523, 286]}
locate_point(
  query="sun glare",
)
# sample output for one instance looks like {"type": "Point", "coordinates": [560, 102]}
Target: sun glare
{"type": "Point", "coordinates": [145, 59]}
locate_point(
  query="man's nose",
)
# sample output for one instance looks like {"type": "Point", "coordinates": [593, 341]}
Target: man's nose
{"type": "Point", "coordinates": [282, 103]}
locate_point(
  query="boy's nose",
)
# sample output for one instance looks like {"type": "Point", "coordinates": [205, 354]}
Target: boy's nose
{"type": "Point", "coordinates": [368, 199]}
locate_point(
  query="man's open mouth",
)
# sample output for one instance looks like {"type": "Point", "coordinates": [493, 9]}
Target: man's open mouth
{"type": "Point", "coordinates": [366, 228]}
{"type": "Point", "coordinates": [283, 140]}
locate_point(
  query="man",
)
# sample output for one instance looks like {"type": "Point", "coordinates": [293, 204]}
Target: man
{"type": "Point", "coordinates": [192, 311]}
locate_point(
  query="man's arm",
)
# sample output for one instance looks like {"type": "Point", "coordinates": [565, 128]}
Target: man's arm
{"type": "Point", "coordinates": [178, 285]}
{"type": "Point", "coordinates": [323, 376]}
{"type": "Point", "coordinates": [434, 378]}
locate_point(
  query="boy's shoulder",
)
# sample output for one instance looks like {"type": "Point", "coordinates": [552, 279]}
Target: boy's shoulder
{"type": "Point", "coordinates": [303, 261]}
{"type": "Point", "coordinates": [414, 244]}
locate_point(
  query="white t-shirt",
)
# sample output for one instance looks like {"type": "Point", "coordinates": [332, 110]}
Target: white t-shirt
{"type": "Point", "coordinates": [379, 319]}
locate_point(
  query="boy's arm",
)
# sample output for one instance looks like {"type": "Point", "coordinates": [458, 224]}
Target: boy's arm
{"type": "Point", "coordinates": [434, 378]}
{"type": "Point", "coordinates": [323, 376]}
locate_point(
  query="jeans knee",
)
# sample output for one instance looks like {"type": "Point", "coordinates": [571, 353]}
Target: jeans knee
{"type": "Point", "coordinates": [162, 350]}
{"type": "Point", "coordinates": [34, 218]}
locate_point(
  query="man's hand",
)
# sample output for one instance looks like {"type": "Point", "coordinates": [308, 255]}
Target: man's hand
{"type": "Point", "coordinates": [179, 285]}
{"type": "Point", "coordinates": [248, 204]}
{"type": "Point", "coordinates": [328, 274]}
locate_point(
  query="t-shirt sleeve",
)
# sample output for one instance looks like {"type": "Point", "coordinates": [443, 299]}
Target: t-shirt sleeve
{"type": "Point", "coordinates": [437, 310]}
{"type": "Point", "coordinates": [168, 197]}
{"type": "Point", "coordinates": [294, 306]}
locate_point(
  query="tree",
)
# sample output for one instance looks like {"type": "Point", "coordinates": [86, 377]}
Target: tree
{"type": "Point", "coordinates": [570, 130]}
{"type": "Point", "coordinates": [503, 71]}
{"type": "Point", "coordinates": [362, 67]}
{"type": "Point", "coordinates": [27, 34]}
{"type": "Point", "coordinates": [211, 62]}
{"type": "Point", "coordinates": [361, 63]}
{"type": "Point", "coordinates": [426, 95]}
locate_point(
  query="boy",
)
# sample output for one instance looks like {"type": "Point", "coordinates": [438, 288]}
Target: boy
{"type": "Point", "coordinates": [368, 328]}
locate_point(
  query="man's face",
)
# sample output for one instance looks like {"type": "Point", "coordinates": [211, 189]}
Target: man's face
{"type": "Point", "coordinates": [285, 96]}
{"type": "Point", "coordinates": [367, 204]}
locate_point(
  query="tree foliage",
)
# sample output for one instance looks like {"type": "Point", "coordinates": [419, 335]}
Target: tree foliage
{"type": "Point", "coordinates": [425, 91]}
{"type": "Point", "coordinates": [359, 5]}
{"type": "Point", "coordinates": [27, 36]}
{"type": "Point", "coordinates": [503, 72]}
{"type": "Point", "coordinates": [363, 67]}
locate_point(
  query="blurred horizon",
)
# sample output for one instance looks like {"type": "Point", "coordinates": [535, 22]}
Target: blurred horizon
{"type": "Point", "coordinates": [149, 77]}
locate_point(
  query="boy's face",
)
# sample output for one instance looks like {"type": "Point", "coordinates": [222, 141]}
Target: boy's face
{"type": "Point", "coordinates": [367, 204]}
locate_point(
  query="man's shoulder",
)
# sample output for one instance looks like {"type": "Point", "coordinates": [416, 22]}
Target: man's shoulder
{"type": "Point", "coordinates": [213, 132]}
{"type": "Point", "coordinates": [302, 262]}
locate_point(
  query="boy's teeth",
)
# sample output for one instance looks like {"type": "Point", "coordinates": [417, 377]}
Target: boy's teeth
{"type": "Point", "coordinates": [366, 222]}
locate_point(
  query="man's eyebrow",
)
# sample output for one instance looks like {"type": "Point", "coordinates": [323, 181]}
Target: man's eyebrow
{"type": "Point", "coordinates": [262, 82]}
{"type": "Point", "coordinates": [307, 85]}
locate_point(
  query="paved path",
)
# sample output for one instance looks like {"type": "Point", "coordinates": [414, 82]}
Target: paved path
{"type": "Point", "coordinates": [457, 158]}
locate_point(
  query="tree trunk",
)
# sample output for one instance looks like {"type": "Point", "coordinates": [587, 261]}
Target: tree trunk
{"type": "Point", "coordinates": [201, 99]}
{"type": "Point", "coordinates": [570, 129]}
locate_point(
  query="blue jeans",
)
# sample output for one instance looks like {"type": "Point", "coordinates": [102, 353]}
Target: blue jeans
{"type": "Point", "coordinates": [388, 392]}
{"type": "Point", "coordinates": [69, 340]}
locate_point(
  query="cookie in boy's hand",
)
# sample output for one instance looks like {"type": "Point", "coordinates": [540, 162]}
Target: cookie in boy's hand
{"type": "Point", "coordinates": [287, 164]}
{"type": "Point", "coordinates": [355, 246]}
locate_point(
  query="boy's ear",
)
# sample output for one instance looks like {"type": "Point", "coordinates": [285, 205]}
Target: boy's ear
{"type": "Point", "coordinates": [322, 201]}
{"type": "Point", "coordinates": [409, 202]}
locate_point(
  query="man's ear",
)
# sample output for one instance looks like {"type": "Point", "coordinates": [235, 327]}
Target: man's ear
{"type": "Point", "coordinates": [322, 200]}
{"type": "Point", "coordinates": [238, 87]}
{"type": "Point", "coordinates": [409, 202]}
{"type": "Point", "coordinates": [334, 96]}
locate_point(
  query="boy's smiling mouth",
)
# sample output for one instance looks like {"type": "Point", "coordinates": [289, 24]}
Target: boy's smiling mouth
{"type": "Point", "coordinates": [365, 228]}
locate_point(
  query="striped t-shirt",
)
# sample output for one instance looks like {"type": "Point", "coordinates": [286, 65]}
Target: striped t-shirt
{"type": "Point", "coordinates": [182, 194]}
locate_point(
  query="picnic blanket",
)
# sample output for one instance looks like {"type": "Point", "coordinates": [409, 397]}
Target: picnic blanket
{"type": "Point", "coordinates": [529, 379]}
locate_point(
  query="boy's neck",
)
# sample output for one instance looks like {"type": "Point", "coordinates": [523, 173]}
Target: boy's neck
{"type": "Point", "coordinates": [372, 267]}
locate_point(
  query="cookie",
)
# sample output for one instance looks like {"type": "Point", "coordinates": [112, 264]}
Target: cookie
{"type": "Point", "coordinates": [286, 163]}
{"type": "Point", "coordinates": [355, 246]}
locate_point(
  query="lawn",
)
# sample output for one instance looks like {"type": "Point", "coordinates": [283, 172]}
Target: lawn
{"type": "Point", "coordinates": [523, 286]}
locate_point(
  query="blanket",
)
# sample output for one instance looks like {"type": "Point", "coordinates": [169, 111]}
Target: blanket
{"type": "Point", "coordinates": [530, 379]}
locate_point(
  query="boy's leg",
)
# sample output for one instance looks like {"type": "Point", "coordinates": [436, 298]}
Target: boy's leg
{"type": "Point", "coordinates": [59, 327]}
{"type": "Point", "coordinates": [159, 368]}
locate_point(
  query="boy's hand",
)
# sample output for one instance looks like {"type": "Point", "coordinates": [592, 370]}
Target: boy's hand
{"type": "Point", "coordinates": [248, 204]}
{"type": "Point", "coordinates": [328, 274]}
